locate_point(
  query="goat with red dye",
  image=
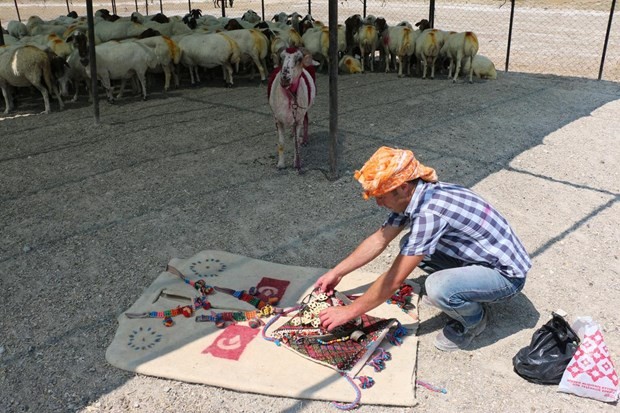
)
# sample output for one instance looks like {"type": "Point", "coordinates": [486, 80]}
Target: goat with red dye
{"type": "Point", "coordinates": [291, 92]}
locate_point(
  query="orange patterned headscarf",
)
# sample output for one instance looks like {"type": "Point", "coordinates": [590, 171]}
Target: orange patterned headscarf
{"type": "Point", "coordinates": [388, 168]}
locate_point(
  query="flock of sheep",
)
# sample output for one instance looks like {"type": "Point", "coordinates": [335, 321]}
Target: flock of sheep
{"type": "Point", "coordinates": [52, 56]}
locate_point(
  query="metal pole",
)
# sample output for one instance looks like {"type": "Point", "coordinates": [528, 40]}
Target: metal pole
{"type": "Point", "coordinates": [310, 7]}
{"type": "Point", "coordinates": [611, 17]}
{"type": "Point", "coordinates": [431, 13]}
{"type": "Point", "coordinates": [147, 7]}
{"type": "Point", "coordinates": [1, 35]}
{"type": "Point", "coordinates": [364, 12]}
{"type": "Point", "coordinates": [262, 8]}
{"type": "Point", "coordinates": [92, 57]}
{"type": "Point", "coordinates": [113, 6]}
{"type": "Point", "coordinates": [333, 89]}
{"type": "Point", "coordinates": [161, 7]}
{"type": "Point", "coordinates": [68, 10]}
{"type": "Point", "coordinates": [189, 6]}
{"type": "Point", "coordinates": [223, 8]}
{"type": "Point", "coordinates": [512, 15]}
{"type": "Point", "coordinates": [17, 10]}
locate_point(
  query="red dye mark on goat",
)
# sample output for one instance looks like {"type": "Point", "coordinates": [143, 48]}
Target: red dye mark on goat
{"type": "Point", "coordinates": [232, 342]}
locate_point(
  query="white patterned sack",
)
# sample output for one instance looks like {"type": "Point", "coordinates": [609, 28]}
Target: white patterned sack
{"type": "Point", "coordinates": [591, 371]}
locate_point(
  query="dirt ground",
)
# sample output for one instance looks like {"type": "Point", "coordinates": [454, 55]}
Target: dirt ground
{"type": "Point", "coordinates": [91, 213]}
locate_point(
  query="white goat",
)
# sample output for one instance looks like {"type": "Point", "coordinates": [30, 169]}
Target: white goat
{"type": "Point", "coordinates": [483, 67]}
{"type": "Point", "coordinates": [427, 47]}
{"type": "Point", "coordinates": [459, 46]}
{"type": "Point", "coordinates": [291, 92]}
{"type": "Point", "coordinates": [209, 50]}
{"type": "Point", "coordinates": [368, 37]}
{"type": "Point", "coordinates": [399, 41]}
{"type": "Point", "coordinates": [25, 66]}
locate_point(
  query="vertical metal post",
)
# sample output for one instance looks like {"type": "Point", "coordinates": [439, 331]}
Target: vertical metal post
{"type": "Point", "coordinates": [1, 35]}
{"type": "Point", "coordinates": [68, 10]}
{"type": "Point", "coordinates": [262, 8]}
{"type": "Point", "coordinates": [92, 58]}
{"type": "Point", "coordinates": [310, 7]}
{"type": "Point", "coordinates": [512, 15]}
{"type": "Point", "coordinates": [189, 6]}
{"type": "Point", "coordinates": [136, 5]}
{"type": "Point", "coordinates": [113, 4]}
{"type": "Point", "coordinates": [147, 6]}
{"type": "Point", "coordinates": [431, 13]}
{"type": "Point", "coordinates": [611, 17]}
{"type": "Point", "coordinates": [17, 10]}
{"type": "Point", "coordinates": [333, 89]}
{"type": "Point", "coordinates": [161, 7]}
{"type": "Point", "coordinates": [364, 10]}
{"type": "Point", "coordinates": [223, 8]}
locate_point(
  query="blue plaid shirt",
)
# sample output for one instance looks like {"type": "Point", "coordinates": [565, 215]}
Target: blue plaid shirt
{"type": "Point", "coordinates": [455, 221]}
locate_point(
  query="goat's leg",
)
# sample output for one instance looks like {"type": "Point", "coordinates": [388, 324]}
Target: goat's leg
{"type": "Point", "coordinates": [167, 76]}
{"type": "Point", "coordinates": [281, 140]}
{"type": "Point", "coordinates": [228, 74]}
{"type": "Point", "coordinates": [424, 66]}
{"type": "Point", "coordinates": [122, 89]}
{"type": "Point", "coordinates": [304, 141]}
{"type": "Point", "coordinates": [450, 68]}
{"type": "Point", "coordinates": [298, 130]}
{"type": "Point", "coordinates": [433, 67]}
{"type": "Point", "coordinates": [45, 94]}
{"type": "Point", "coordinates": [400, 66]}
{"type": "Point", "coordinates": [105, 81]}
{"type": "Point", "coordinates": [372, 59]}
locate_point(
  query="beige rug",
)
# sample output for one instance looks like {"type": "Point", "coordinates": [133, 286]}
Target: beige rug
{"type": "Point", "coordinates": [238, 357]}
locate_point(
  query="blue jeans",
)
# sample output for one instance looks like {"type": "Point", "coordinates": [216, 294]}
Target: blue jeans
{"type": "Point", "coordinates": [459, 291]}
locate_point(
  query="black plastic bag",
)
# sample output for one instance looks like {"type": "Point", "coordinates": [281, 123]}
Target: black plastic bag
{"type": "Point", "coordinates": [550, 351]}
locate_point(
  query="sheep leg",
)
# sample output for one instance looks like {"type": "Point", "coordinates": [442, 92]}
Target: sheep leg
{"type": "Point", "coordinates": [167, 76]}
{"type": "Point", "coordinates": [471, 69]}
{"type": "Point", "coordinates": [424, 65]}
{"type": "Point", "coordinates": [433, 67]}
{"type": "Point", "coordinates": [261, 69]}
{"type": "Point", "coordinates": [400, 66]}
{"type": "Point", "coordinates": [228, 74]}
{"type": "Point", "coordinates": [457, 69]}
{"type": "Point", "coordinates": [281, 138]}
{"type": "Point", "coordinates": [105, 81]}
{"type": "Point", "coordinates": [142, 80]}
{"type": "Point", "coordinates": [372, 60]}
{"type": "Point", "coordinates": [450, 68]}
{"type": "Point", "coordinates": [8, 98]}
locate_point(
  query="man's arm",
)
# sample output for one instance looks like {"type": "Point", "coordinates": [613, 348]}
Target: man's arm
{"type": "Point", "coordinates": [368, 250]}
{"type": "Point", "coordinates": [378, 293]}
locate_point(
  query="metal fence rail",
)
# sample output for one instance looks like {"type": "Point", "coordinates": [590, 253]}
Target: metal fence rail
{"type": "Point", "coordinates": [561, 37]}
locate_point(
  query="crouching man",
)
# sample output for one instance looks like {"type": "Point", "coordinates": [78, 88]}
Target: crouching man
{"type": "Point", "coordinates": [472, 254]}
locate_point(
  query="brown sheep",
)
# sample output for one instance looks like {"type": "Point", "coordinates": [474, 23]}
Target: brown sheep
{"type": "Point", "coordinates": [26, 66]}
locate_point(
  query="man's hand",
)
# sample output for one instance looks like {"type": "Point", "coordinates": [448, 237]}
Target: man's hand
{"type": "Point", "coordinates": [333, 317]}
{"type": "Point", "coordinates": [327, 282]}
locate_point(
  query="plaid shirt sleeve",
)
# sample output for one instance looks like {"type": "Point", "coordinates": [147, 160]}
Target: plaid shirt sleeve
{"type": "Point", "coordinates": [426, 231]}
{"type": "Point", "coordinates": [396, 220]}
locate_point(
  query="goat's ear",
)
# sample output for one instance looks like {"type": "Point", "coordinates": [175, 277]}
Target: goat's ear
{"type": "Point", "coordinates": [308, 60]}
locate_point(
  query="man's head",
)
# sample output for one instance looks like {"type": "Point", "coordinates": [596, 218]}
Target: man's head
{"type": "Point", "coordinates": [388, 169]}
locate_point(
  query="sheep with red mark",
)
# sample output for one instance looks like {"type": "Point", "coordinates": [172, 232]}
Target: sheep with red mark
{"type": "Point", "coordinates": [427, 47]}
{"type": "Point", "coordinates": [459, 46]}
{"type": "Point", "coordinates": [253, 45]}
{"type": "Point", "coordinates": [291, 92]}
{"type": "Point", "coordinates": [209, 50]}
{"type": "Point", "coordinates": [25, 66]}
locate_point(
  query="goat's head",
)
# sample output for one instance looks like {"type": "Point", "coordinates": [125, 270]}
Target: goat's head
{"type": "Point", "coordinates": [380, 24]}
{"type": "Point", "coordinates": [80, 42]}
{"type": "Point", "coordinates": [293, 60]}
{"type": "Point", "coordinates": [233, 24]}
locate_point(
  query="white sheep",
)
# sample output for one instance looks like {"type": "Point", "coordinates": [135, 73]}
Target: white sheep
{"type": "Point", "coordinates": [209, 50]}
{"type": "Point", "coordinates": [349, 64]}
{"type": "Point", "coordinates": [316, 42]}
{"type": "Point", "coordinates": [254, 46]}
{"type": "Point", "coordinates": [483, 67]}
{"type": "Point", "coordinates": [368, 37]}
{"type": "Point", "coordinates": [251, 16]}
{"type": "Point", "coordinates": [427, 47]}
{"type": "Point", "coordinates": [399, 41]}
{"type": "Point", "coordinates": [17, 29]}
{"type": "Point", "coordinates": [25, 66]}
{"type": "Point", "coordinates": [459, 46]}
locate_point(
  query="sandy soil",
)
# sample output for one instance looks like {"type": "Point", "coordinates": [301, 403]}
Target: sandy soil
{"type": "Point", "coordinates": [90, 214]}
